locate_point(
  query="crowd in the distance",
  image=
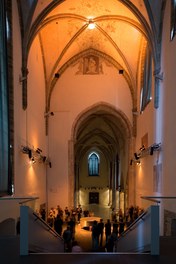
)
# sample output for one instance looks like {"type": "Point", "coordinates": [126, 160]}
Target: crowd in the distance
{"type": "Point", "coordinates": [64, 222]}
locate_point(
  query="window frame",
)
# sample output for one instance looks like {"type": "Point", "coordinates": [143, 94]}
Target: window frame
{"type": "Point", "coordinates": [146, 89]}
{"type": "Point", "coordinates": [6, 102]}
{"type": "Point", "coordinates": [93, 164]}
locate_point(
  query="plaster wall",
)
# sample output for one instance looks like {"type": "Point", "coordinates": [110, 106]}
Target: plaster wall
{"type": "Point", "coordinates": [169, 95]}
{"type": "Point", "coordinates": [71, 96]}
{"type": "Point", "coordinates": [29, 125]}
{"type": "Point", "coordinates": [169, 124]}
{"type": "Point", "coordinates": [149, 126]}
{"type": "Point", "coordinates": [161, 128]}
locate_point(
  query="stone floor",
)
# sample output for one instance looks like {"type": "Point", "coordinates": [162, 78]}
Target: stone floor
{"type": "Point", "coordinates": [9, 253]}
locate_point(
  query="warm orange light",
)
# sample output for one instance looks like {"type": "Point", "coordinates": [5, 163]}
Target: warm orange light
{"type": "Point", "coordinates": [91, 24]}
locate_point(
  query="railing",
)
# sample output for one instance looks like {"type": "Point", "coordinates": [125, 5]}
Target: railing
{"type": "Point", "coordinates": [48, 227]}
{"type": "Point", "coordinates": [132, 225]}
{"type": "Point", "coordinates": [142, 235]}
{"type": "Point", "coordinates": [36, 235]}
{"type": "Point", "coordinates": [167, 206]}
{"type": "Point", "coordinates": [155, 198]}
{"type": "Point", "coordinates": [10, 212]}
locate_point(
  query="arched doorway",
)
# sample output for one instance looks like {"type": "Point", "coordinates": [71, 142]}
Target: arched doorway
{"type": "Point", "coordinates": [104, 134]}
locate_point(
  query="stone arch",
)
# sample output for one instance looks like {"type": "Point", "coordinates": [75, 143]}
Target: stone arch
{"type": "Point", "coordinates": [124, 123]}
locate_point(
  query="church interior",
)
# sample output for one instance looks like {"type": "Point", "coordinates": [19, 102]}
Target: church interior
{"type": "Point", "coordinates": [87, 105]}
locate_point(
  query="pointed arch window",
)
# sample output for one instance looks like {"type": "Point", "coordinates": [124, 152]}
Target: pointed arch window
{"type": "Point", "coordinates": [147, 80]}
{"type": "Point", "coordinates": [173, 19]}
{"type": "Point", "coordinates": [93, 164]}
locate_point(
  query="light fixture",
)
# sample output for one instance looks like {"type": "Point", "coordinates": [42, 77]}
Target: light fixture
{"type": "Point", "coordinates": [44, 158]}
{"type": "Point", "coordinates": [121, 71]}
{"type": "Point", "coordinates": [91, 24]}
{"type": "Point", "coordinates": [34, 155]}
{"type": "Point", "coordinates": [48, 114]}
{"type": "Point", "coordinates": [142, 148]}
{"type": "Point", "coordinates": [30, 153]}
{"type": "Point", "coordinates": [57, 75]}
{"type": "Point", "coordinates": [151, 151]}
{"type": "Point", "coordinates": [33, 160]}
{"type": "Point", "coordinates": [38, 150]}
{"type": "Point", "coordinates": [143, 151]}
{"type": "Point", "coordinates": [136, 156]}
{"type": "Point", "coordinates": [138, 163]}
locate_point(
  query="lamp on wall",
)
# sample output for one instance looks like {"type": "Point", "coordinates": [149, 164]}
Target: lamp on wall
{"type": "Point", "coordinates": [136, 156]}
{"type": "Point", "coordinates": [30, 153]}
{"type": "Point", "coordinates": [34, 155]}
{"type": "Point", "coordinates": [142, 148]}
{"type": "Point", "coordinates": [138, 163]}
{"type": "Point", "coordinates": [151, 150]}
{"type": "Point", "coordinates": [146, 151]}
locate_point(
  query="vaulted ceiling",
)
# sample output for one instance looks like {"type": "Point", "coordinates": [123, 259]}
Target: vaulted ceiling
{"type": "Point", "coordinates": [122, 29]}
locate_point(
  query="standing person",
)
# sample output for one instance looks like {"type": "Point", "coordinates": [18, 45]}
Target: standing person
{"type": "Point", "coordinates": [67, 213]}
{"type": "Point", "coordinates": [18, 226]}
{"type": "Point", "coordinates": [95, 235]}
{"type": "Point", "coordinates": [72, 224]}
{"type": "Point", "coordinates": [43, 214]}
{"type": "Point", "coordinates": [58, 223]}
{"type": "Point", "coordinates": [121, 225]}
{"type": "Point", "coordinates": [110, 244]}
{"type": "Point", "coordinates": [75, 247]}
{"type": "Point", "coordinates": [100, 231]}
{"type": "Point", "coordinates": [131, 209]}
{"type": "Point", "coordinates": [107, 229]}
{"type": "Point", "coordinates": [67, 236]}
{"type": "Point", "coordinates": [115, 228]}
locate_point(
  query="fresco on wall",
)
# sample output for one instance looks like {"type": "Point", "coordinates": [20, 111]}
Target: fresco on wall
{"type": "Point", "coordinates": [90, 64]}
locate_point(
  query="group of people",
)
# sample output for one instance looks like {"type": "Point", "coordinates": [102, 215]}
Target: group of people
{"type": "Point", "coordinates": [112, 229]}
{"type": "Point", "coordinates": [58, 219]}
{"type": "Point", "coordinates": [131, 214]}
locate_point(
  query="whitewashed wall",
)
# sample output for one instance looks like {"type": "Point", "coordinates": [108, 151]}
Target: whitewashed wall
{"type": "Point", "coordinates": [29, 125]}
{"type": "Point", "coordinates": [71, 96]}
